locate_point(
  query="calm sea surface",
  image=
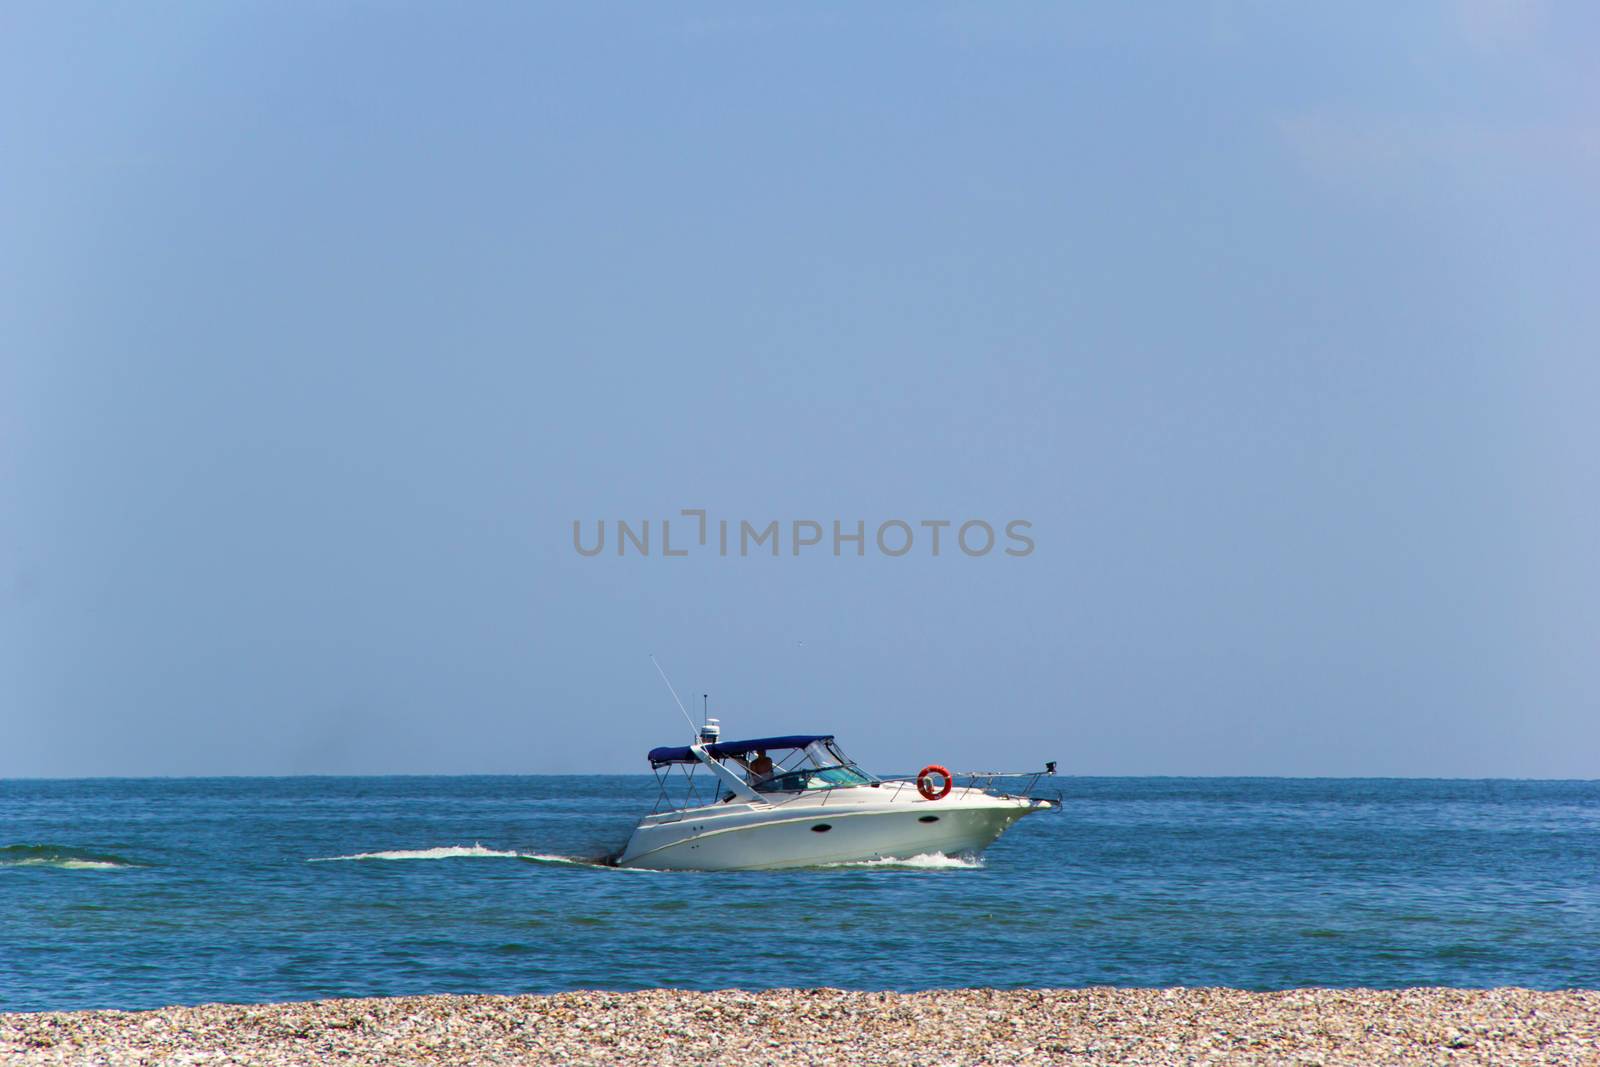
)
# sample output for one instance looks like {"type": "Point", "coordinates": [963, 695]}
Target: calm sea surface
{"type": "Point", "coordinates": [140, 893]}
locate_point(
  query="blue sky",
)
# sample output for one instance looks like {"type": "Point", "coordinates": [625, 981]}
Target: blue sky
{"type": "Point", "coordinates": [322, 323]}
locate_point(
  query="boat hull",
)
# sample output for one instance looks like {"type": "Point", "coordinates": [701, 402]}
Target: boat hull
{"type": "Point", "coordinates": [769, 837]}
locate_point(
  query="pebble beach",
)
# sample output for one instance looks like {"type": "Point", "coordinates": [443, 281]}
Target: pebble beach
{"type": "Point", "coordinates": [829, 1026]}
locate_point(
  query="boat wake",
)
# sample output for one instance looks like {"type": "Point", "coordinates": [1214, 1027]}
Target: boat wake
{"type": "Point", "coordinates": [449, 852]}
{"type": "Point", "coordinates": [608, 861]}
{"type": "Point", "coordinates": [61, 857]}
{"type": "Point", "coordinates": [927, 861]}
{"type": "Point", "coordinates": [932, 861]}
{"type": "Point", "coordinates": [473, 851]}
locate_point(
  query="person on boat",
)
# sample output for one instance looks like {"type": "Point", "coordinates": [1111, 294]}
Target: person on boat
{"type": "Point", "coordinates": [760, 768]}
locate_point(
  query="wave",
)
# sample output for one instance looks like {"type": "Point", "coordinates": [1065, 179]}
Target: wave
{"type": "Point", "coordinates": [61, 857]}
{"type": "Point", "coordinates": [448, 852]}
{"type": "Point", "coordinates": [927, 861]}
{"type": "Point", "coordinates": [473, 851]}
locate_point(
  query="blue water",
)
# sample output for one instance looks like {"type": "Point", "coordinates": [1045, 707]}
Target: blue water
{"type": "Point", "coordinates": [139, 893]}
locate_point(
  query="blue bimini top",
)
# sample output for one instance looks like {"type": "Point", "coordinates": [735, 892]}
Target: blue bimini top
{"type": "Point", "coordinates": [660, 757]}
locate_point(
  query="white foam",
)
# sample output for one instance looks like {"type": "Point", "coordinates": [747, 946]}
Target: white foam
{"type": "Point", "coordinates": [448, 852]}
{"type": "Point", "coordinates": [66, 864]}
{"type": "Point", "coordinates": [927, 861]}
{"type": "Point", "coordinates": [91, 865]}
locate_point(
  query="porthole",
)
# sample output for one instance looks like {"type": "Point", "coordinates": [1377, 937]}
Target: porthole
{"type": "Point", "coordinates": [821, 828]}
{"type": "Point", "coordinates": [929, 818]}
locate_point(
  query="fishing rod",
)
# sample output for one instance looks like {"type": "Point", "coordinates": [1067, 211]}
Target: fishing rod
{"type": "Point", "coordinates": [694, 731]}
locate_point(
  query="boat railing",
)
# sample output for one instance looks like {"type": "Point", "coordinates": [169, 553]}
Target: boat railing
{"type": "Point", "coordinates": [964, 783]}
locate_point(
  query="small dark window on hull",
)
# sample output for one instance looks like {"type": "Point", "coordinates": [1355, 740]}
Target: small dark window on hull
{"type": "Point", "coordinates": [929, 818]}
{"type": "Point", "coordinates": [821, 828]}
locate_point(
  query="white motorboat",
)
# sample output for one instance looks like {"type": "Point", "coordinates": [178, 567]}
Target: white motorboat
{"type": "Point", "coordinates": [798, 801]}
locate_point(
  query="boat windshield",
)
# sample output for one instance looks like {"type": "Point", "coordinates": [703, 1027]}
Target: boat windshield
{"type": "Point", "coordinates": [812, 778]}
{"type": "Point", "coordinates": [823, 753]}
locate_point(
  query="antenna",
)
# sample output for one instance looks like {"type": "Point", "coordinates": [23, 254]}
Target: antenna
{"type": "Point", "coordinates": [692, 728]}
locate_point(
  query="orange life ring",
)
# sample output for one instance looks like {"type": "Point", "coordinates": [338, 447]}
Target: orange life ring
{"type": "Point", "coordinates": [925, 787]}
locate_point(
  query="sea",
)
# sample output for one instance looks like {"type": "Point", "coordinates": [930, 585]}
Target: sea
{"type": "Point", "coordinates": [138, 893]}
